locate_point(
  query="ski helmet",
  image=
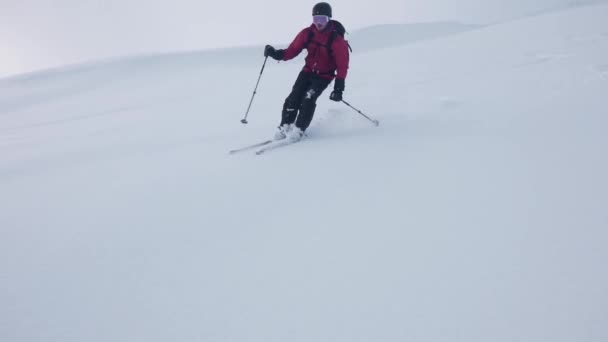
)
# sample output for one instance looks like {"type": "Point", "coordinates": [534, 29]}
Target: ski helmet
{"type": "Point", "coordinates": [322, 8]}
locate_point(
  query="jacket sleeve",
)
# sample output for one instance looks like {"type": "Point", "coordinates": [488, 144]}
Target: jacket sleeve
{"type": "Point", "coordinates": [341, 53]}
{"type": "Point", "coordinates": [296, 46]}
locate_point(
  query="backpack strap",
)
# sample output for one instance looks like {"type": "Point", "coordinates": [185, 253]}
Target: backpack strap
{"type": "Point", "coordinates": [330, 42]}
{"type": "Point", "coordinates": [310, 36]}
{"type": "Point", "coordinates": [338, 29]}
{"type": "Point", "coordinates": [334, 34]}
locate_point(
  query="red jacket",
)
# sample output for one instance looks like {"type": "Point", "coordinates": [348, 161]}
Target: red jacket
{"type": "Point", "coordinates": [319, 60]}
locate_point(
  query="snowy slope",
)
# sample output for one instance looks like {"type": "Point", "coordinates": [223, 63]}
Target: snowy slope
{"type": "Point", "coordinates": [475, 212]}
{"type": "Point", "coordinates": [543, 8]}
{"type": "Point", "coordinates": [391, 35]}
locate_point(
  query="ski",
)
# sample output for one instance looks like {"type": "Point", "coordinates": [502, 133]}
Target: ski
{"type": "Point", "coordinates": [278, 144]}
{"type": "Point", "coordinates": [250, 147]}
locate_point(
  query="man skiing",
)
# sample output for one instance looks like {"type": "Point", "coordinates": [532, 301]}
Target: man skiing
{"type": "Point", "coordinates": [328, 58]}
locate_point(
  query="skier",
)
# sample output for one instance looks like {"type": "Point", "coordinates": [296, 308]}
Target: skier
{"type": "Point", "coordinates": [328, 58]}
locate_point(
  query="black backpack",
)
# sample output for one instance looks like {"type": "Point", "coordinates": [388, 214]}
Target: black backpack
{"type": "Point", "coordinates": [338, 30]}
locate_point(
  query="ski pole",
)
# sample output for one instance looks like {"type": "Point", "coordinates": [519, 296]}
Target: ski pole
{"type": "Point", "coordinates": [244, 121]}
{"type": "Point", "coordinates": [375, 122]}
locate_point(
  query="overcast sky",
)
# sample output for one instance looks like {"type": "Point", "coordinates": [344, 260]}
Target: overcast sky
{"type": "Point", "coordinates": [37, 34]}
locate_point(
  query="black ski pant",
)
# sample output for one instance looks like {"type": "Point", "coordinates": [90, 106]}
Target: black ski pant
{"type": "Point", "coordinates": [300, 105]}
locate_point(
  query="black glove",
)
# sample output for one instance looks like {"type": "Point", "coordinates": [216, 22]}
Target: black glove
{"type": "Point", "coordinates": [270, 51]}
{"type": "Point", "coordinates": [336, 95]}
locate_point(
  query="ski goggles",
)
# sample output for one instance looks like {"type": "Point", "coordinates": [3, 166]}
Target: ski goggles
{"type": "Point", "coordinates": [320, 19]}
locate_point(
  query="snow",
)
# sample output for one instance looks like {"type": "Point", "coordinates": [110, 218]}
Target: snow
{"type": "Point", "coordinates": [476, 211]}
{"type": "Point", "coordinates": [392, 35]}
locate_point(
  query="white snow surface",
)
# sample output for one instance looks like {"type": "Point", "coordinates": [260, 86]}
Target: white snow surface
{"type": "Point", "coordinates": [476, 211]}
